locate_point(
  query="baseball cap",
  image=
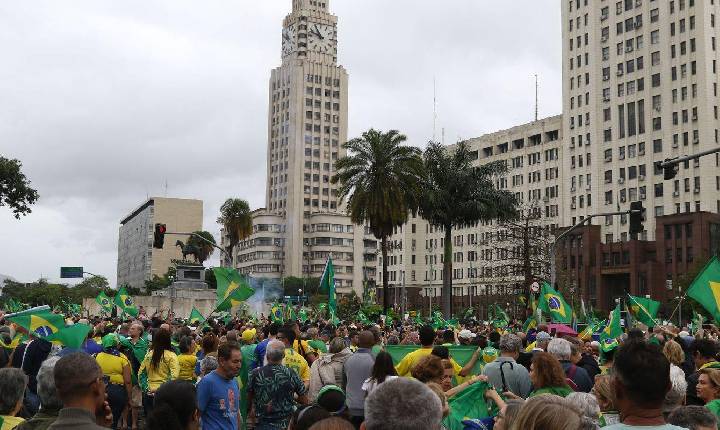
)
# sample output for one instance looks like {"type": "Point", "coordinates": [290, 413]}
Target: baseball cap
{"type": "Point", "coordinates": [248, 335]}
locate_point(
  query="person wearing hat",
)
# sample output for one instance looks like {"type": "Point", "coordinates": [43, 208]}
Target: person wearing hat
{"type": "Point", "coordinates": [116, 368]}
{"type": "Point", "coordinates": [248, 342]}
{"type": "Point", "coordinates": [332, 399]}
{"type": "Point", "coordinates": [466, 336]}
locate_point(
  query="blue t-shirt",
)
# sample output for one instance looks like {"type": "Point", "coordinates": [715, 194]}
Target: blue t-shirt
{"type": "Point", "coordinates": [259, 354]}
{"type": "Point", "coordinates": [91, 347]}
{"type": "Point", "coordinates": [219, 402]}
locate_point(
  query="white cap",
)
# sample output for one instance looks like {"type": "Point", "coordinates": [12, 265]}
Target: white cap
{"type": "Point", "coordinates": [466, 334]}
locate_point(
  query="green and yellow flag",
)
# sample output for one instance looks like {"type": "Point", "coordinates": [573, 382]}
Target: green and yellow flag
{"type": "Point", "coordinates": [38, 320]}
{"type": "Point", "coordinates": [643, 309]}
{"type": "Point", "coordinates": [469, 404]}
{"type": "Point", "coordinates": [276, 313]}
{"type": "Point", "coordinates": [705, 289]}
{"type": "Point", "coordinates": [14, 342]}
{"type": "Point", "coordinates": [196, 317]}
{"type": "Point", "coordinates": [71, 336]}
{"type": "Point", "coordinates": [125, 302]}
{"type": "Point", "coordinates": [554, 304]}
{"type": "Point", "coordinates": [500, 317]}
{"type": "Point", "coordinates": [106, 305]}
{"type": "Point", "coordinates": [327, 286]}
{"type": "Point", "coordinates": [530, 323]}
{"type": "Point", "coordinates": [232, 289]}
{"type": "Point", "coordinates": [613, 329]}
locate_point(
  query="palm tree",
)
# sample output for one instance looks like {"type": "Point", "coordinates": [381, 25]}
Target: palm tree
{"type": "Point", "coordinates": [381, 179]}
{"type": "Point", "coordinates": [204, 249]}
{"type": "Point", "coordinates": [457, 194]}
{"type": "Point", "coordinates": [236, 219]}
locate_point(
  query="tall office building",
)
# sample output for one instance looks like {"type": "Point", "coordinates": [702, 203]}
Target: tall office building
{"type": "Point", "coordinates": [304, 221]}
{"type": "Point", "coordinates": [488, 258]}
{"type": "Point", "coordinates": [639, 86]}
{"type": "Point", "coordinates": [138, 261]}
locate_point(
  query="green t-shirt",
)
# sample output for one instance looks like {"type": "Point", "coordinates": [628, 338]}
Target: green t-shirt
{"type": "Point", "coordinates": [714, 407]}
{"type": "Point", "coordinates": [558, 391]}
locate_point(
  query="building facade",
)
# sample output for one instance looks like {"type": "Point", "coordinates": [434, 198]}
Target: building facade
{"type": "Point", "coordinates": [304, 222]}
{"type": "Point", "coordinates": [639, 86]}
{"type": "Point", "coordinates": [138, 261]}
{"type": "Point", "coordinates": [488, 263]}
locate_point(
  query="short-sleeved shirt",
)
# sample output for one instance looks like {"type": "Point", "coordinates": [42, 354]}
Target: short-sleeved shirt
{"type": "Point", "coordinates": [404, 368]}
{"type": "Point", "coordinates": [112, 366]}
{"type": "Point", "coordinates": [296, 362]}
{"type": "Point", "coordinates": [219, 402]}
{"type": "Point", "coordinates": [187, 366]}
{"type": "Point", "coordinates": [273, 388]}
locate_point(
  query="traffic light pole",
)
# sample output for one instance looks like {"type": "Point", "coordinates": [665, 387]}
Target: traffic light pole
{"type": "Point", "coordinates": [670, 163]}
{"type": "Point", "coordinates": [562, 235]}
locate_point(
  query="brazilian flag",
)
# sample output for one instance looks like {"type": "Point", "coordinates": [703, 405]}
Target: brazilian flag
{"type": "Point", "coordinates": [554, 304]}
{"type": "Point", "coordinates": [276, 313]}
{"type": "Point", "coordinates": [196, 317]}
{"type": "Point", "coordinates": [612, 331]}
{"type": "Point", "coordinates": [232, 289]}
{"type": "Point", "coordinates": [38, 320]}
{"type": "Point", "coordinates": [125, 302]}
{"type": "Point", "coordinates": [705, 289]}
{"type": "Point", "coordinates": [643, 309]}
{"type": "Point", "coordinates": [531, 322]}
{"type": "Point", "coordinates": [104, 301]}
{"type": "Point", "coordinates": [71, 336]}
{"type": "Point", "coordinates": [14, 342]}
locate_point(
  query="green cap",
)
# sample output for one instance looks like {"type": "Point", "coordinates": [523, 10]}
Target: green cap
{"type": "Point", "coordinates": [110, 340]}
{"type": "Point", "coordinates": [489, 354]}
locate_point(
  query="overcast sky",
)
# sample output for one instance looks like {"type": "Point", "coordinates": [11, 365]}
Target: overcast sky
{"type": "Point", "coordinates": [106, 101]}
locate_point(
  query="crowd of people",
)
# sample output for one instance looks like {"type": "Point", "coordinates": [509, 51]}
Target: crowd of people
{"type": "Point", "coordinates": [160, 373]}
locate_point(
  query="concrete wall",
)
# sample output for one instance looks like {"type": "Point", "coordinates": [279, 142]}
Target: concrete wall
{"type": "Point", "coordinates": [183, 306]}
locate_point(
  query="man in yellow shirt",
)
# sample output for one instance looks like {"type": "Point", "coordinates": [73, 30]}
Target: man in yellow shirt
{"type": "Point", "coordinates": [293, 360]}
{"type": "Point", "coordinates": [427, 337]}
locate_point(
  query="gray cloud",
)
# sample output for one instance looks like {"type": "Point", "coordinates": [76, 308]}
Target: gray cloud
{"type": "Point", "coordinates": [105, 101]}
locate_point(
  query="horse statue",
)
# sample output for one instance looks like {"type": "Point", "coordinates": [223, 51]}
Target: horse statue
{"type": "Point", "coordinates": [187, 250]}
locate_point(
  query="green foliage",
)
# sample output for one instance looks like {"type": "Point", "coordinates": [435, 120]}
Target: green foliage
{"type": "Point", "coordinates": [160, 283]}
{"type": "Point", "coordinates": [15, 190]}
{"type": "Point", "coordinates": [236, 219]}
{"type": "Point", "coordinates": [204, 249]}
{"type": "Point", "coordinates": [43, 293]}
{"type": "Point", "coordinates": [373, 311]}
{"type": "Point", "coordinates": [456, 193]}
{"type": "Point", "coordinates": [210, 279]}
{"type": "Point", "coordinates": [382, 181]}
{"type": "Point", "coordinates": [348, 306]}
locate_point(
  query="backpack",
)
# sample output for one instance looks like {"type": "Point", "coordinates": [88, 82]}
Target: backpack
{"type": "Point", "coordinates": [572, 370]}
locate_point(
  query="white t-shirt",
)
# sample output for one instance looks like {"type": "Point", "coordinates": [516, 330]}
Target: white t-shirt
{"type": "Point", "coordinates": [370, 383]}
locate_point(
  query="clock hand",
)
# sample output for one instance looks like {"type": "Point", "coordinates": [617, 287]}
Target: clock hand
{"type": "Point", "coordinates": [317, 31]}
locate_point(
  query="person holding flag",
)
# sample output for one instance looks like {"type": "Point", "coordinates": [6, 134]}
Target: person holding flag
{"type": "Point", "coordinates": [554, 304]}
{"type": "Point", "coordinates": [327, 286]}
{"type": "Point", "coordinates": [125, 302]}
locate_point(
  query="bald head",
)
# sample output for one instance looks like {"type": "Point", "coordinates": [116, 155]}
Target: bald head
{"type": "Point", "coordinates": [366, 339]}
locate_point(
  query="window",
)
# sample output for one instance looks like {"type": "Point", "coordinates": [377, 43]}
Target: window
{"type": "Point", "coordinates": [654, 15]}
{"type": "Point", "coordinates": [656, 80]}
{"type": "Point", "coordinates": [657, 146]}
{"type": "Point", "coordinates": [655, 37]}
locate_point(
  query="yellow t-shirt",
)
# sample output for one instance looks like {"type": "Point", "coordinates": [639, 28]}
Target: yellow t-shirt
{"type": "Point", "coordinates": [9, 423]}
{"type": "Point", "coordinates": [112, 366]}
{"type": "Point", "coordinates": [167, 370]}
{"type": "Point", "coordinates": [187, 367]}
{"type": "Point", "coordinates": [306, 347]}
{"type": "Point", "coordinates": [297, 363]}
{"type": "Point", "coordinates": [405, 366]}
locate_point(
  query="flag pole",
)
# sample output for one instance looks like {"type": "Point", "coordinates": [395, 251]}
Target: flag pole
{"type": "Point", "coordinates": [676, 307]}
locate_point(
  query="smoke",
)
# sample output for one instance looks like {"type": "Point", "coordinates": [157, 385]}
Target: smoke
{"type": "Point", "coordinates": [267, 290]}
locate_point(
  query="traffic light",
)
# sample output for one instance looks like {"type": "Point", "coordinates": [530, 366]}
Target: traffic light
{"type": "Point", "coordinates": [669, 172]}
{"type": "Point", "coordinates": [637, 216]}
{"type": "Point", "coordinates": [159, 237]}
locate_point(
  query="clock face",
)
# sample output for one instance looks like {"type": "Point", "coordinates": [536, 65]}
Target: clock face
{"type": "Point", "coordinates": [321, 38]}
{"type": "Point", "coordinates": [288, 40]}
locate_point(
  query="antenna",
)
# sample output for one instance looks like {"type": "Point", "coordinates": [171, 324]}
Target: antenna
{"type": "Point", "coordinates": [434, 109]}
{"type": "Point", "coordinates": [536, 97]}
{"type": "Point", "coordinates": [166, 187]}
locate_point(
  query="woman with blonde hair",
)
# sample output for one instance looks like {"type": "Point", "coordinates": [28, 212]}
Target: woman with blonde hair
{"type": "Point", "coordinates": [551, 412]}
{"type": "Point", "coordinates": [605, 396]}
{"type": "Point", "coordinates": [708, 389]}
{"type": "Point", "coordinates": [674, 353]}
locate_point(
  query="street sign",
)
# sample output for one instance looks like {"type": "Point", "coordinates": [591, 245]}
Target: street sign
{"type": "Point", "coordinates": [71, 272]}
{"type": "Point", "coordinates": [535, 287]}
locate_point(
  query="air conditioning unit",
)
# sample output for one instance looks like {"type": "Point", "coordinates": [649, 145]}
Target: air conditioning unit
{"type": "Point", "coordinates": [621, 181]}
{"type": "Point", "coordinates": [697, 190]}
{"type": "Point", "coordinates": [674, 144]}
{"type": "Point", "coordinates": [676, 193]}
{"type": "Point", "coordinates": [606, 77]}
{"type": "Point", "coordinates": [572, 206]}
{"type": "Point", "coordinates": [572, 126]}
{"type": "Point", "coordinates": [641, 178]}
{"type": "Point", "coordinates": [604, 39]}
{"type": "Point", "coordinates": [619, 72]}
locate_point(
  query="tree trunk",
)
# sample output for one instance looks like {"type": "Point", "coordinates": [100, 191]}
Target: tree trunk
{"type": "Point", "coordinates": [447, 273]}
{"type": "Point", "coordinates": [386, 291]}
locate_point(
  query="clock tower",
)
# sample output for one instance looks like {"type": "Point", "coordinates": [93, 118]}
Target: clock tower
{"type": "Point", "coordinates": [307, 126]}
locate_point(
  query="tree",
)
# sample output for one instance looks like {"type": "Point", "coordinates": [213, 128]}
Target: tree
{"type": "Point", "coordinates": [236, 219]}
{"type": "Point", "coordinates": [456, 194]}
{"type": "Point", "coordinates": [348, 306]}
{"type": "Point", "coordinates": [381, 180]}
{"type": "Point", "coordinates": [204, 249]}
{"type": "Point", "coordinates": [15, 190]}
